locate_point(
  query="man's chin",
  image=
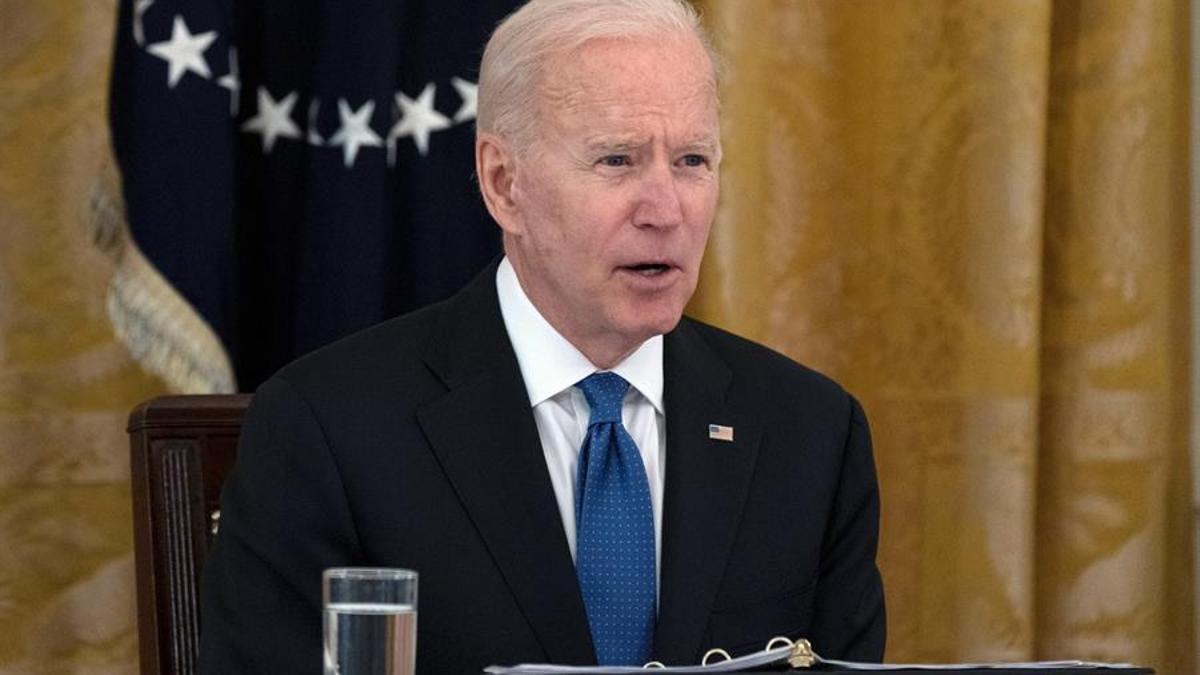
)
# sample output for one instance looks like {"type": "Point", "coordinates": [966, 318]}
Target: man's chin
{"type": "Point", "coordinates": [646, 325]}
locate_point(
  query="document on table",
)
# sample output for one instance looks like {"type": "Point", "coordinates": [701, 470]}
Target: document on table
{"type": "Point", "coordinates": [798, 655]}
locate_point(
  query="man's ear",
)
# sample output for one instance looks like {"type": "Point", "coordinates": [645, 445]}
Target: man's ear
{"type": "Point", "coordinates": [495, 164]}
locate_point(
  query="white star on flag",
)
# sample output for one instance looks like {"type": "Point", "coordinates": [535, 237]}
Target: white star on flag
{"type": "Point", "coordinates": [274, 119]}
{"type": "Point", "coordinates": [468, 92]}
{"type": "Point", "coordinates": [184, 52]}
{"type": "Point", "coordinates": [139, 10]}
{"type": "Point", "coordinates": [418, 119]}
{"type": "Point", "coordinates": [355, 131]}
{"type": "Point", "coordinates": [231, 82]}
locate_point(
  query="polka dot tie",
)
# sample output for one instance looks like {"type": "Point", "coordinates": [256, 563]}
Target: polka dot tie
{"type": "Point", "coordinates": [614, 547]}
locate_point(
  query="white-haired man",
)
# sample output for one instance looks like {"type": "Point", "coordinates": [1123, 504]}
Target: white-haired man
{"type": "Point", "coordinates": [579, 474]}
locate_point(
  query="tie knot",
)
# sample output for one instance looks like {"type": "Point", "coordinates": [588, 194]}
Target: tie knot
{"type": "Point", "coordinates": [604, 393]}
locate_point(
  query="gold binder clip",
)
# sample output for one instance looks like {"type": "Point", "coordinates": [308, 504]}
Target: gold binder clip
{"type": "Point", "coordinates": [802, 655]}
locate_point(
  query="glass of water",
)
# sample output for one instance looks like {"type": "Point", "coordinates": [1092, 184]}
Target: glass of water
{"type": "Point", "coordinates": [370, 621]}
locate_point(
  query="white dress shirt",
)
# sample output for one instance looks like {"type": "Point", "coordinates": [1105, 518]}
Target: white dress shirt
{"type": "Point", "coordinates": [550, 366]}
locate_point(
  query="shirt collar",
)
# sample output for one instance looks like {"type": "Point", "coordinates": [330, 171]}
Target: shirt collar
{"type": "Point", "coordinates": [550, 364]}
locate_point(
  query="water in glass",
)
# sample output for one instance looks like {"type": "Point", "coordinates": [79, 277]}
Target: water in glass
{"type": "Point", "coordinates": [370, 639]}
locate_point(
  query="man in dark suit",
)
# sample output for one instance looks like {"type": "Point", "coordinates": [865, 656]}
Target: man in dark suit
{"type": "Point", "coordinates": [578, 474]}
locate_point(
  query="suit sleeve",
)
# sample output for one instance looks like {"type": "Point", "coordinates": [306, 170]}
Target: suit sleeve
{"type": "Point", "coordinates": [849, 607]}
{"type": "Point", "coordinates": [284, 518]}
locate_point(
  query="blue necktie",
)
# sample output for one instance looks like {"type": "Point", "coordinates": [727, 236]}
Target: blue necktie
{"type": "Point", "coordinates": [614, 544]}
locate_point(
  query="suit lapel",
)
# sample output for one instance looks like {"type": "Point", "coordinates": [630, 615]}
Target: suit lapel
{"type": "Point", "coordinates": [707, 482]}
{"type": "Point", "coordinates": [484, 436]}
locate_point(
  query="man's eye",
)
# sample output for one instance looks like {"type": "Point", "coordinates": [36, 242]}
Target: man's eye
{"type": "Point", "coordinates": [615, 160]}
{"type": "Point", "coordinates": [694, 160]}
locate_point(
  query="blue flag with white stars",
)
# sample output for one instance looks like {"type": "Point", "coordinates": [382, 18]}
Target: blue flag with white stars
{"type": "Point", "coordinates": [301, 169]}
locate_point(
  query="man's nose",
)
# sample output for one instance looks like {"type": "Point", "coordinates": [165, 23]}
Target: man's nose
{"type": "Point", "coordinates": [659, 204]}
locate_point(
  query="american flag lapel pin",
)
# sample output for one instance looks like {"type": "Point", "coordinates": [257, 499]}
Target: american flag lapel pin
{"type": "Point", "coordinates": [719, 432]}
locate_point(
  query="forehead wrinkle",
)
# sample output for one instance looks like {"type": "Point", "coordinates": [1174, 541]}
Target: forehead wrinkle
{"type": "Point", "coordinates": [600, 94]}
{"type": "Point", "coordinates": [562, 103]}
{"type": "Point", "coordinates": [614, 100]}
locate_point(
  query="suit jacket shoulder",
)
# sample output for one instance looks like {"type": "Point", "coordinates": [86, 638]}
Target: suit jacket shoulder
{"type": "Point", "coordinates": [405, 362]}
{"type": "Point", "coordinates": [767, 384]}
{"type": "Point", "coordinates": [752, 359]}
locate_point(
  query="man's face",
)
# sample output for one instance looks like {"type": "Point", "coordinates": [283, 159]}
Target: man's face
{"type": "Point", "coordinates": [614, 201]}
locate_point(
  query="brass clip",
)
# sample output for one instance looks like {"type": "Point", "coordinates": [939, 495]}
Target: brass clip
{"type": "Point", "coordinates": [802, 655]}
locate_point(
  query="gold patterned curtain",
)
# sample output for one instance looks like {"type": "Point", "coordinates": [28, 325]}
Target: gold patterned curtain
{"type": "Point", "coordinates": [66, 384]}
{"type": "Point", "coordinates": [974, 214]}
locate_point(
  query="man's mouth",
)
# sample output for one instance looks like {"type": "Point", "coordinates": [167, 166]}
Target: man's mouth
{"type": "Point", "coordinates": [649, 269]}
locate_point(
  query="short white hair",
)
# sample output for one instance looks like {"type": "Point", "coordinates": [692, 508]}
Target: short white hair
{"type": "Point", "coordinates": [513, 61]}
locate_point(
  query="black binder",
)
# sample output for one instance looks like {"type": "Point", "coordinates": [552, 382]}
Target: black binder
{"type": "Point", "coordinates": [782, 655]}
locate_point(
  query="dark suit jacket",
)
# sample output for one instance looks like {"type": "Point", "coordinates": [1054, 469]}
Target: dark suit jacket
{"type": "Point", "coordinates": [412, 444]}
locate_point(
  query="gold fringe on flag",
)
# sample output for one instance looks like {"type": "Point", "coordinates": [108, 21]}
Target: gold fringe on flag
{"type": "Point", "coordinates": [162, 331]}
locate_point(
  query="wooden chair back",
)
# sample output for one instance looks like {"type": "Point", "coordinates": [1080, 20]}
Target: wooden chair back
{"type": "Point", "coordinates": [182, 447]}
